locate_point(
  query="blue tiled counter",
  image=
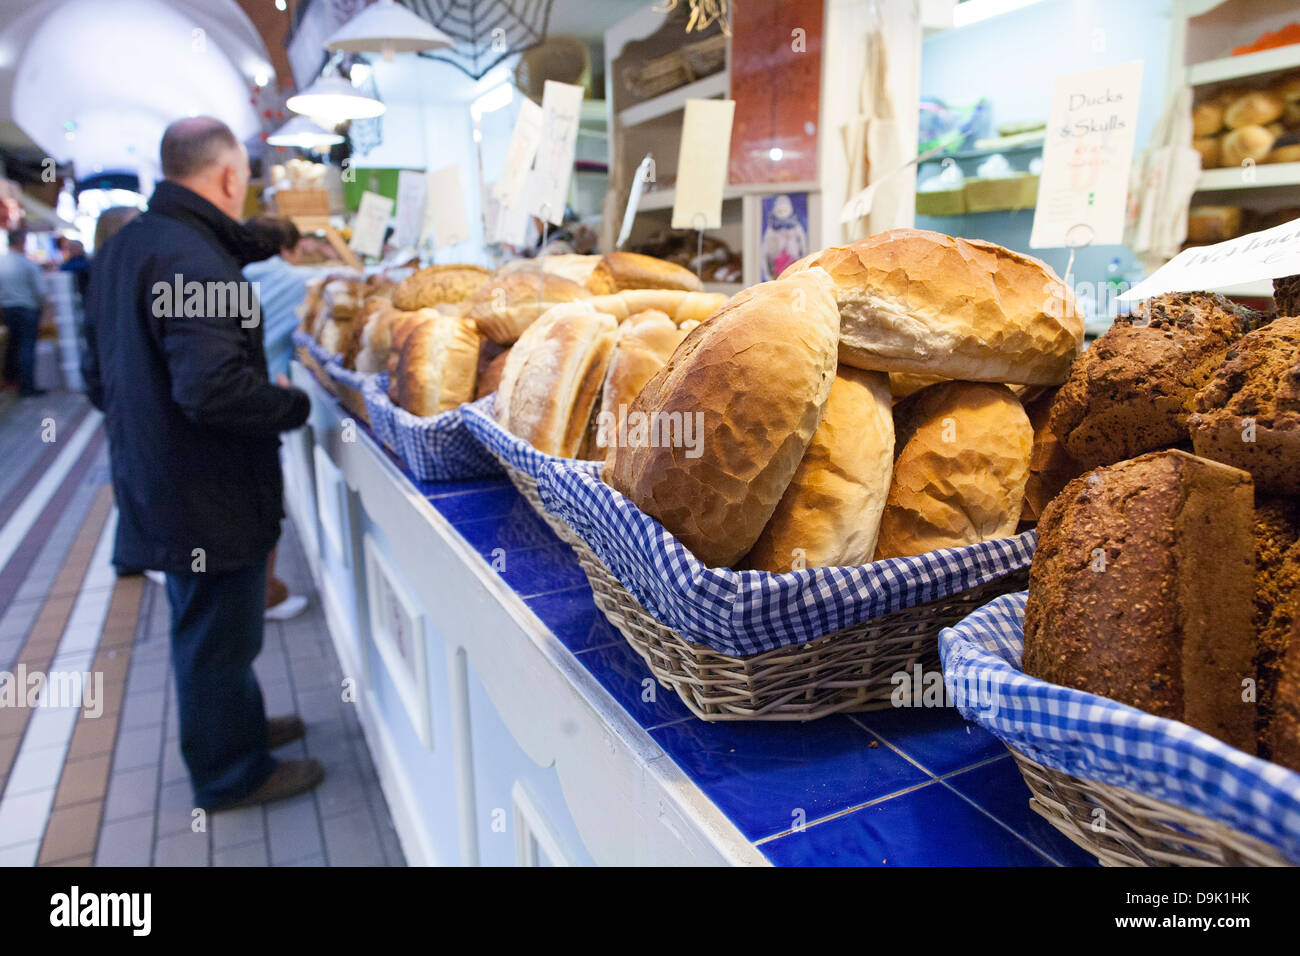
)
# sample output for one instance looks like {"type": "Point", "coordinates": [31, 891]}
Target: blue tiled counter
{"type": "Point", "coordinates": [911, 786]}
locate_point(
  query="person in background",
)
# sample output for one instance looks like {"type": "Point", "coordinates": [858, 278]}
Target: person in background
{"type": "Point", "coordinates": [110, 221]}
{"type": "Point", "coordinates": [280, 288]}
{"type": "Point", "coordinates": [193, 436]}
{"type": "Point", "coordinates": [22, 301]}
{"type": "Point", "coordinates": [78, 263]}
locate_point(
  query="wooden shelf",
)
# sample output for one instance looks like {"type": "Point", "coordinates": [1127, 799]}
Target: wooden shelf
{"type": "Point", "coordinates": [1248, 64]}
{"type": "Point", "coordinates": [674, 100]}
{"type": "Point", "coordinates": [1265, 176]}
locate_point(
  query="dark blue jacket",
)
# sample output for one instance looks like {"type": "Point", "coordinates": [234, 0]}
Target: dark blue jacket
{"type": "Point", "coordinates": [193, 423]}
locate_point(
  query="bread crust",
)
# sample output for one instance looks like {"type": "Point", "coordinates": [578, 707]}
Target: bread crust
{"type": "Point", "coordinates": [437, 284]}
{"type": "Point", "coordinates": [438, 365]}
{"type": "Point", "coordinates": [510, 303]}
{"type": "Point", "coordinates": [617, 271]}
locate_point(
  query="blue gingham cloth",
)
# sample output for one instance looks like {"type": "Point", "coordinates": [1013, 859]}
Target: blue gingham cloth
{"type": "Point", "coordinates": [1098, 739]}
{"type": "Point", "coordinates": [346, 376]}
{"type": "Point", "coordinates": [302, 340]}
{"type": "Point", "coordinates": [511, 449]}
{"type": "Point", "coordinates": [741, 613]}
{"type": "Point", "coordinates": [375, 391]}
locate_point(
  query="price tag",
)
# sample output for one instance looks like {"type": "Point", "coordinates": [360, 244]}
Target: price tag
{"type": "Point", "coordinates": [1086, 156]}
{"type": "Point", "coordinates": [370, 224]}
{"type": "Point", "coordinates": [561, 110]}
{"type": "Point", "coordinates": [702, 164]}
{"type": "Point", "coordinates": [1270, 254]}
{"type": "Point", "coordinates": [412, 201]}
{"type": "Point", "coordinates": [447, 207]}
{"type": "Point", "coordinates": [509, 188]}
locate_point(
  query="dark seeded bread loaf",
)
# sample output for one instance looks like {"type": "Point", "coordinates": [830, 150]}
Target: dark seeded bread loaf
{"type": "Point", "coordinates": [1132, 391]}
{"type": "Point", "coordinates": [1286, 295]}
{"type": "Point", "coordinates": [1277, 588]}
{"type": "Point", "coordinates": [1142, 590]}
{"type": "Point", "coordinates": [1282, 736]}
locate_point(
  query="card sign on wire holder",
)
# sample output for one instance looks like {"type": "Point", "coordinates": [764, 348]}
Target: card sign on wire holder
{"type": "Point", "coordinates": [521, 152]}
{"type": "Point", "coordinates": [1270, 254]}
{"type": "Point", "coordinates": [412, 198]}
{"type": "Point", "coordinates": [702, 164]}
{"type": "Point", "coordinates": [561, 112]}
{"type": "Point", "coordinates": [1086, 156]}
{"type": "Point", "coordinates": [370, 224]}
{"type": "Point", "coordinates": [447, 207]}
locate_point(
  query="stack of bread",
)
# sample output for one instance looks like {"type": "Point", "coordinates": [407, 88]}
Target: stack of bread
{"type": "Point", "coordinates": [1166, 473]}
{"type": "Point", "coordinates": [1236, 125]}
{"type": "Point", "coordinates": [793, 451]}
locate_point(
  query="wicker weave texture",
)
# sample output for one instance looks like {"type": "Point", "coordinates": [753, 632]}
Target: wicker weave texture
{"type": "Point", "coordinates": [527, 487]}
{"type": "Point", "coordinates": [1124, 828]}
{"type": "Point", "coordinates": [850, 670]}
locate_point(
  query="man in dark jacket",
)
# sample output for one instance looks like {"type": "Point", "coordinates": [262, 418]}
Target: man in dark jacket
{"type": "Point", "coordinates": [175, 362]}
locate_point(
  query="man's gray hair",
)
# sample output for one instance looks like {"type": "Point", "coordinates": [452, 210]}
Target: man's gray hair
{"type": "Point", "coordinates": [191, 145]}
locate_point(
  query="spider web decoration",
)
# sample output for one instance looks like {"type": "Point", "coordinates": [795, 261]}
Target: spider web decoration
{"type": "Point", "coordinates": [486, 31]}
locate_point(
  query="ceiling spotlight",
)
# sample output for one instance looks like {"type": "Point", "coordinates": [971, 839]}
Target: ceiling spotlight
{"type": "Point", "coordinates": [387, 28]}
{"type": "Point", "coordinates": [335, 100]}
{"type": "Point", "coordinates": [303, 133]}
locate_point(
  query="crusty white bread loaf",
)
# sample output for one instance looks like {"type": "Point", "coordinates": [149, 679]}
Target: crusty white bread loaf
{"type": "Point", "coordinates": [830, 513]}
{"type": "Point", "coordinates": [402, 325]}
{"type": "Point", "coordinates": [550, 385]}
{"type": "Point", "coordinates": [677, 305]}
{"type": "Point", "coordinates": [566, 265]}
{"type": "Point", "coordinates": [646, 342]}
{"type": "Point", "coordinates": [438, 284]}
{"type": "Point", "coordinates": [376, 338]}
{"type": "Point", "coordinates": [510, 303]}
{"type": "Point", "coordinates": [962, 461]}
{"type": "Point", "coordinates": [750, 385]}
{"type": "Point", "coordinates": [438, 365]}
{"type": "Point", "coordinates": [917, 301]}
{"type": "Point", "coordinates": [617, 271]}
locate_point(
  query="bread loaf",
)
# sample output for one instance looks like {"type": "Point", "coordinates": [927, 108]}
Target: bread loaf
{"type": "Point", "coordinates": [1281, 738]}
{"type": "Point", "coordinates": [1286, 295]}
{"type": "Point", "coordinates": [1050, 466]}
{"type": "Point", "coordinates": [438, 365]}
{"type": "Point", "coordinates": [926, 303]}
{"type": "Point", "coordinates": [830, 513]}
{"type": "Point", "coordinates": [1247, 143]}
{"type": "Point", "coordinates": [750, 385]}
{"type": "Point", "coordinates": [510, 303]}
{"type": "Point", "coordinates": [1213, 223]}
{"type": "Point", "coordinates": [489, 376]}
{"type": "Point", "coordinates": [551, 382]}
{"type": "Point", "coordinates": [439, 284]}
{"type": "Point", "coordinates": [1211, 151]}
{"type": "Point", "coordinates": [1248, 414]}
{"type": "Point", "coordinates": [962, 460]}
{"type": "Point", "coordinates": [1142, 590]}
{"type": "Point", "coordinates": [402, 325]}
{"type": "Point", "coordinates": [645, 344]}
{"type": "Point", "coordinates": [1207, 119]}
{"type": "Point", "coordinates": [677, 305]}
{"type": "Point", "coordinates": [1256, 108]}
{"type": "Point", "coordinates": [617, 271]}
{"type": "Point", "coordinates": [1132, 390]}
{"type": "Point", "coordinates": [566, 265]}
{"type": "Point", "coordinates": [1277, 589]}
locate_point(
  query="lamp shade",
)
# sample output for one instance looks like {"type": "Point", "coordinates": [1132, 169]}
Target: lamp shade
{"type": "Point", "coordinates": [387, 28]}
{"type": "Point", "coordinates": [334, 99]}
{"type": "Point", "coordinates": [303, 133]}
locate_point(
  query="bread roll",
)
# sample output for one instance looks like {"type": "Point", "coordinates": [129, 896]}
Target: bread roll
{"type": "Point", "coordinates": [1284, 154]}
{"type": "Point", "coordinates": [903, 384]}
{"type": "Point", "coordinates": [1207, 119]}
{"type": "Point", "coordinates": [922, 302]}
{"type": "Point", "coordinates": [751, 385]}
{"type": "Point", "coordinates": [1142, 590]}
{"type": "Point", "coordinates": [1209, 148]}
{"type": "Point", "coordinates": [551, 381]}
{"type": "Point", "coordinates": [960, 470]}
{"type": "Point", "coordinates": [436, 284]}
{"type": "Point", "coordinates": [1050, 466]}
{"type": "Point", "coordinates": [1255, 108]}
{"type": "Point", "coordinates": [645, 344]}
{"type": "Point", "coordinates": [438, 365]}
{"type": "Point", "coordinates": [617, 271]}
{"type": "Point", "coordinates": [1213, 223]}
{"type": "Point", "coordinates": [1247, 142]}
{"type": "Point", "coordinates": [509, 304]}
{"type": "Point", "coordinates": [830, 513]}
{"type": "Point", "coordinates": [489, 377]}
{"type": "Point", "coordinates": [566, 265]}
{"type": "Point", "coordinates": [677, 305]}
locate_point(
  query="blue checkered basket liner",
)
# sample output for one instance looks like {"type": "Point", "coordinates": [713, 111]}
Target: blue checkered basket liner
{"type": "Point", "coordinates": [302, 340]}
{"type": "Point", "coordinates": [1098, 739]}
{"type": "Point", "coordinates": [346, 376]}
{"type": "Point", "coordinates": [437, 448]}
{"type": "Point", "coordinates": [509, 449]}
{"type": "Point", "coordinates": [741, 613]}
{"type": "Point", "coordinates": [375, 391]}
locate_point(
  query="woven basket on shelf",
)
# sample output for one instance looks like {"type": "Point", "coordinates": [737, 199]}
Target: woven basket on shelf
{"type": "Point", "coordinates": [526, 485]}
{"type": "Point", "coordinates": [1124, 828]}
{"type": "Point", "coordinates": [317, 370]}
{"type": "Point", "coordinates": [850, 670]}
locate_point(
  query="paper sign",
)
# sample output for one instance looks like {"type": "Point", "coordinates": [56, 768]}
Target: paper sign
{"type": "Point", "coordinates": [549, 191]}
{"type": "Point", "coordinates": [509, 189]}
{"type": "Point", "coordinates": [412, 202]}
{"type": "Point", "coordinates": [702, 164]}
{"type": "Point", "coordinates": [1270, 254]}
{"type": "Point", "coordinates": [370, 224]}
{"type": "Point", "coordinates": [447, 207]}
{"type": "Point", "coordinates": [1087, 153]}
{"type": "Point", "coordinates": [511, 226]}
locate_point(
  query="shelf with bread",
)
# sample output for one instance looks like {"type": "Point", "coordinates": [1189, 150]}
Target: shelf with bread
{"type": "Point", "coordinates": [1163, 594]}
{"type": "Point", "coordinates": [1245, 66]}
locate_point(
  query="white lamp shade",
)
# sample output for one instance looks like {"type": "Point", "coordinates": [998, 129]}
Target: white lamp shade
{"type": "Point", "coordinates": [387, 28]}
{"type": "Point", "coordinates": [303, 133]}
{"type": "Point", "coordinates": [335, 100]}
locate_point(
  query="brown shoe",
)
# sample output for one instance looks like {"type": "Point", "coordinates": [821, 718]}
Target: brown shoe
{"type": "Point", "coordinates": [284, 729]}
{"type": "Point", "coordinates": [288, 779]}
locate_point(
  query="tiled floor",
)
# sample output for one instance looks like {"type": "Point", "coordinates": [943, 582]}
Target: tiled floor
{"type": "Point", "coordinates": [111, 789]}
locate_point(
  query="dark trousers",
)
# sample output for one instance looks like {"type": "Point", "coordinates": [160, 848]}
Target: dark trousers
{"type": "Point", "coordinates": [216, 633]}
{"type": "Point", "coordinates": [20, 357]}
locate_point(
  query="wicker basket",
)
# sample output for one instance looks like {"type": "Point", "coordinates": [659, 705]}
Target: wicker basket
{"type": "Point", "coordinates": [1136, 830]}
{"type": "Point", "coordinates": [317, 370]}
{"type": "Point", "coordinates": [527, 486]}
{"type": "Point", "coordinates": [850, 670]}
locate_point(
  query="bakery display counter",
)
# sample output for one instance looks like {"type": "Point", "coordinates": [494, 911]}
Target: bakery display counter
{"type": "Point", "coordinates": [511, 724]}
